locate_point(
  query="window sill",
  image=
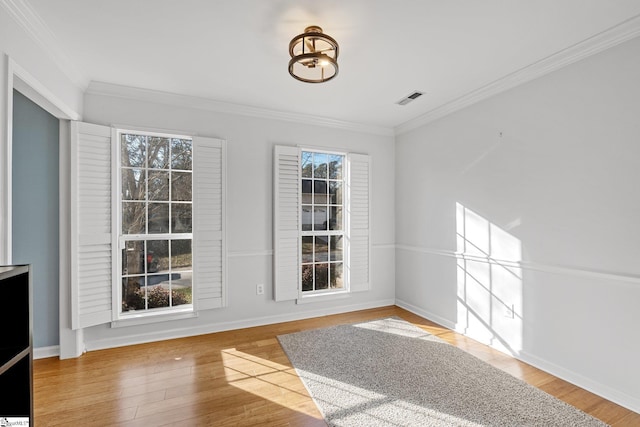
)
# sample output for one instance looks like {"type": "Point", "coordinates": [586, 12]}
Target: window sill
{"type": "Point", "coordinates": [150, 318]}
{"type": "Point", "coordinates": [329, 296]}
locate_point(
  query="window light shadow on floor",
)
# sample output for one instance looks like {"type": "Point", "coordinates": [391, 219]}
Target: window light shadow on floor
{"type": "Point", "coordinates": [266, 379]}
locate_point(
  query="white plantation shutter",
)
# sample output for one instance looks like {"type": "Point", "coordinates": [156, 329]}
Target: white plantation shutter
{"type": "Point", "coordinates": [209, 250]}
{"type": "Point", "coordinates": [359, 222]}
{"type": "Point", "coordinates": [286, 216]}
{"type": "Point", "coordinates": [91, 225]}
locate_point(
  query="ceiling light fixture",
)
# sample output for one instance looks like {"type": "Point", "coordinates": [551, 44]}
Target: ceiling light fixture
{"type": "Point", "coordinates": [314, 56]}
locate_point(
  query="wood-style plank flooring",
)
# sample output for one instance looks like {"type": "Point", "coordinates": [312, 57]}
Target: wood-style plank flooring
{"type": "Point", "coordinates": [235, 378]}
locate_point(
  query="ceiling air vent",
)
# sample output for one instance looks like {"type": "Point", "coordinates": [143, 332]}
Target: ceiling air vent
{"type": "Point", "coordinates": [409, 98]}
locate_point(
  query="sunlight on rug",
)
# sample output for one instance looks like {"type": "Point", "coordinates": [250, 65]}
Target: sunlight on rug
{"type": "Point", "coordinates": [388, 372]}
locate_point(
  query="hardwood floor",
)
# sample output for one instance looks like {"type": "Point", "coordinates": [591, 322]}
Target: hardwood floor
{"type": "Point", "coordinates": [235, 378]}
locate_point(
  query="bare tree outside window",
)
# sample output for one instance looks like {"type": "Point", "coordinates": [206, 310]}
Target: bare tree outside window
{"type": "Point", "coordinates": [322, 228]}
{"type": "Point", "coordinates": [156, 199]}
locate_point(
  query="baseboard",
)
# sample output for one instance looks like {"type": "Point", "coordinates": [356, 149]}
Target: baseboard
{"type": "Point", "coordinates": [622, 399]}
{"type": "Point", "coordinates": [426, 314]}
{"type": "Point", "coordinates": [606, 392]}
{"type": "Point", "coordinates": [44, 352]}
{"type": "Point", "coordinates": [229, 326]}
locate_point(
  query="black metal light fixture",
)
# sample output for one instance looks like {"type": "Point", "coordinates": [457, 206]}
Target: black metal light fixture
{"type": "Point", "coordinates": [314, 56]}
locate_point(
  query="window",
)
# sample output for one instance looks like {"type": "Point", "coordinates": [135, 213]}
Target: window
{"type": "Point", "coordinates": [147, 225]}
{"type": "Point", "coordinates": [321, 223]}
{"type": "Point", "coordinates": [156, 211]}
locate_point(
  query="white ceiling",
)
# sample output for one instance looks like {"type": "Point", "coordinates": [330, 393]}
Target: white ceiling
{"type": "Point", "coordinates": [236, 51]}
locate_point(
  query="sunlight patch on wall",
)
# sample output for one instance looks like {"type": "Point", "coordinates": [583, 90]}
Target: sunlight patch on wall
{"type": "Point", "coordinates": [489, 294]}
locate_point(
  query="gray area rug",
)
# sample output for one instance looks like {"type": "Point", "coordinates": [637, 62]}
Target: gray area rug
{"type": "Point", "coordinates": [389, 372]}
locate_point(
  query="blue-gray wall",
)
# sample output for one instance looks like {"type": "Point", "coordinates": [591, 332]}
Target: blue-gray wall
{"type": "Point", "coordinates": [35, 210]}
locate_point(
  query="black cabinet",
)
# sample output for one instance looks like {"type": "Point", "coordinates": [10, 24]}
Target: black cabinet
{"type": "Point", "coordinates": [16, 349]}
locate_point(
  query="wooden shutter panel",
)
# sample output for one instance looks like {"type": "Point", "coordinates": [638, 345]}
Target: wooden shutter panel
{"type": "Point", "coordinates": [286, 238]}
{"type": "Point", "coordinates": [209, 263]}
{"type": "Point", "coordinates": [359, 222]}
{"type": "Point", "coordinates": [91, 225]}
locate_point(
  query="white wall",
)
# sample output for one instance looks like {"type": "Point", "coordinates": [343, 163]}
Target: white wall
{"type": "Point", "coordinates": [250, 144]}
{"type": "Point", "coordinates": [541, 185]}
{"type": "Point", "coordinates": [17, 46]}
{"type": "Point", "coordinates": [21, 55]}
{"type": "Point", "coordinates": [65, 85]}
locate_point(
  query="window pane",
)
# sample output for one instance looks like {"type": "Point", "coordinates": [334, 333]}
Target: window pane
{"type": "Point", "coordinates": [181, 153]}
{"type": "Point", "coordinates": [307, 219]}
{"type": "Point", "coordinates": [321, 249]}
{"type": "Point", "coordinates": [307, 277]}
{"type": "Point", "coordinates": [336, 248]}
{"type": "Point", "coordinates": [322, 279]}
{"type": "Point", "coordinates": [158, 296]}
{"type": "Point", "coordinates": [307, 164]}
{"type": "Point", "coordinates": [319, 165]}
{"type": "Point", "coordinates": [320, 218]}
{"type": "Point", "coordinates": [158, 185]}
{"type": "Point", "coordinates": [158, 149]}
{"type": "Point", "coordinates": [335, 167]}
{"type": "Point", "coordinates": [181, 186]}
{"type": "Point", "coordinates": [146, 208]}
{"type": "Point", "coordinates": [133, 150]}
{"type": "Point", "coordinates": [181, 277]}
{"type": "Point", "coordinates": [306, 190]}
{"type": "Point", "coordinates": [158, 218]}
{"type": "Point", "coordinates": [133, 258]}
{"type": "Point", "coordinates": [181, 218]}
{"type": "Point", "coordinates": [158, 257]}
{"type": "Point", "coordinates": [180, 255]}
{"type": "Point", "coordinates": [335, 192]}
{"type": "Point", "coordinates": [133, 218]}
{"type": "Point", "coordinates": [336, 280]}
{"type": "Point", "coordinates": [182, 290]}
{"type": "Point", "coordinates": [307, 248]}
{"type": "Point", "coordinates": [335, 218]}
{"type": "Point", "coordinates": [133, 293]}
{"type": "Point", "coordinates": [320, 192]}
{"type": "Point", "coordinates": [133, 187]}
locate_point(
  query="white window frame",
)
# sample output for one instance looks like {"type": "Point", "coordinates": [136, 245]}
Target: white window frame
{"type": "Point", "coordinates": [118, 314]}
{"type": "Point", "coordinates": [342, 232]}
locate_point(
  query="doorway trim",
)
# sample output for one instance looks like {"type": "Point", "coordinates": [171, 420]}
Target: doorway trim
{"type": "Point", "coordinates": [70, 341]}
{"type": "Point", "coordinates": [21, 80]}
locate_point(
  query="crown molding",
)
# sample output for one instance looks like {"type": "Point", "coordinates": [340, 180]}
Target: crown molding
{"type": "Point", "coordinates": [609, 38]}
{"type": "Point", "coordinates": [22, 13]}
{"type": "Point", "coordinates": [206, 104]}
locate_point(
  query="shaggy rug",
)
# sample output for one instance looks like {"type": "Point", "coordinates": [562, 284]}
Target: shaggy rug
{"type": "Point", "coordinates": [388, 372]}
